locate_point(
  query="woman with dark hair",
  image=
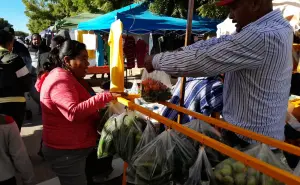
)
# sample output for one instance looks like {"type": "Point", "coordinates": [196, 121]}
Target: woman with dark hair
{"type": "Point", "coordinates": [69, 112]}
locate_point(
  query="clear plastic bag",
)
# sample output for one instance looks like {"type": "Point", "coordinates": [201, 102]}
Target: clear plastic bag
{"type": "Point", "coordinates": [105, 145]}
{"type": "Point", "coordinates": [233, 172]}
{"type": "Point", "coordinates": [161, 160]}
{"type": "Point", "coordinates": [202, 127]}
{"type": "Point", "coordinates": [158, 76]}
{"type": "Point", "coordinates": [297, 170]}
{"type": "Point", "coordinates": [113, 108]}
{"type": "Point", "coordinates": [148, 135]}
{"type": "Point", "coordinates": [156, 86]}
{"type": "Point", "coordinates": [128, 134]}
{"type": "Point", "coordinates": [201, 172]}
{"type": "Point", "coordinates": [121, 134]}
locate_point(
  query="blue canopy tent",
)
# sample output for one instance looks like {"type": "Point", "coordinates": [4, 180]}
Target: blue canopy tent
{"type": "Point", "coordinates": [136, 18]}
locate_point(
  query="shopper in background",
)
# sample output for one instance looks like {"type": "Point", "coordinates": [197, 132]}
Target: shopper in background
{"type": "Point", "coordinates": [13, 154]}
{"type": "Point", "coordinates": [36, 49]}
{"type": "Point", "coordinates": [20, 49]}
{"type": "Point", "coordinates": [69, 112]}
{"type": "Point", "coordinates": [15, 80]}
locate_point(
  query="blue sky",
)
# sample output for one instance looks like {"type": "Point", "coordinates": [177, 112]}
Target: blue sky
{"type": "Point", "coordinates": [13, 12]}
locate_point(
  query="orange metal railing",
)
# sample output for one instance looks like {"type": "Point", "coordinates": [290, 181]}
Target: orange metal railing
{"type": "Point", "coordinates": [261, 166]}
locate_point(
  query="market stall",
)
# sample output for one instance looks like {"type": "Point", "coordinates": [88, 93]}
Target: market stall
{"type": "Point", "coordinates": [171, 155]}
{"type": "Point", "coordinates": [139, 23]}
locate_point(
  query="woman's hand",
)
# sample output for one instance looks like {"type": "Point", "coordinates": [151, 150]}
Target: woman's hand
{"type": "Point", "coordinates": [115, 95]}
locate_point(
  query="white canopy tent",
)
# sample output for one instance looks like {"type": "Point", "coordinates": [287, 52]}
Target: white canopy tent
{"type": "Point", "coordinates": [290, 10]}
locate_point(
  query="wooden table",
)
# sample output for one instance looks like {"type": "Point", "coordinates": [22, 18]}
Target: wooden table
{"type": "Point", "coordinates": [104, 70]}
{"type": "Point", "coordinates": [98, 70]}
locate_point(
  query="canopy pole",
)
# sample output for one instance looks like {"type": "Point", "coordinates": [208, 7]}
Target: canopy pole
{"type": "Point", "coordinates": [187, 42]}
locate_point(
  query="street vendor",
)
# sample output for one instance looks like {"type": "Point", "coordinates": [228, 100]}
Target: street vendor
{"type": "Point", "coordinates": [256, 60]}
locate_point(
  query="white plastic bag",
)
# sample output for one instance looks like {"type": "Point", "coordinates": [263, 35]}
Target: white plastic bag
{"type": "Point", "coordinates": [156, 86]}
{"type": "Point", "coordinates": [159, 76]}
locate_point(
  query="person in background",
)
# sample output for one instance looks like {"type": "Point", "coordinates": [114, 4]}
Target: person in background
{"type": "Point", "coordinates": [15, 80]}
{"type": "Point", "coordinates": [69, 112]}
{"type": "Point", "coordinates": [20, 49]}
{"type": "Point", "coordinates": [36, 49]}
{"type": "Point", "coordinates": [13, 154]}
{"type": "Point", "coordinates": [203, 95]}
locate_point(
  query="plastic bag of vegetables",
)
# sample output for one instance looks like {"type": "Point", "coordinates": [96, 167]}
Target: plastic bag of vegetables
{"type": "Point", "coordinates": [161, 160]}
{"type": "Point", "coordinates": [107, 112]}
{"type": "Point", "coordinates": [231, 172]}
{"type": "Point", "coordinates": [202, 127]}
{"type": "Point", "coordinates": [201, 172]}
{"type": "Point", "coordinates": [128, 134]}
{"type": "Point", "coordinates": [156, 86]}
{"type": "Point", "coordinates": [148, 135]}
{"type": "Point", "coordinates": [120, 135]}
{"type": "Point", "coordinates": [105, 145]}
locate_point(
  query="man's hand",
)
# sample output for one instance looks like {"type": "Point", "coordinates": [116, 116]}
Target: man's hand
{"type": "Point", "coordinates": [148, 63]}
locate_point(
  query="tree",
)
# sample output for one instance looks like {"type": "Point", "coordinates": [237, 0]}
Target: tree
{"type": "Point", "coordinates": [179, 8]}
{"type": "Point", "coordinates": [21, 34]}
{"type": "Point", "coordinates": [44, 13]}
{"type": "Point", "coordinates": [4, 23]}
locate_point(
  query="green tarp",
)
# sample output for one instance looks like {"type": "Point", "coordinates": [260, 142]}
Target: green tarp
{"type": "Point", "coordinates": [72, 22]}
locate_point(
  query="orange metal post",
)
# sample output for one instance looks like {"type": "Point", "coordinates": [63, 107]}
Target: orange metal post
{"type": "Point", "coordinates": [124, 180]}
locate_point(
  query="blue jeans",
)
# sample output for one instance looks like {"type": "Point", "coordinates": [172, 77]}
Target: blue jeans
{"type": "Point", "coordinates": [68, 165]}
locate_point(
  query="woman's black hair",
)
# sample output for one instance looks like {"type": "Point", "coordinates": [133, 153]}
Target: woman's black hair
{"type": "Point", "coordinates": [5, 38]}
{"type": "Point", "coordinates": [69, 48]}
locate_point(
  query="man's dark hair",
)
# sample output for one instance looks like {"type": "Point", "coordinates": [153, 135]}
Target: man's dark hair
{"type": "Point", "coordinates": [10, 30]}
{"type": "Point", "coordinates": [36, 35]}
{"type": "Point", "coordinates": [5, 38]}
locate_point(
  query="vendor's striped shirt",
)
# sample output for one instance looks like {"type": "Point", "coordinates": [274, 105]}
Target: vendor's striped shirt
{"type": "Point", "coordinates": [202, 94]}
{"type": "Point", "coordinates": [257, 63]}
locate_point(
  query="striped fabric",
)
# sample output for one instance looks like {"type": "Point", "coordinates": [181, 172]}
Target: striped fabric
{"type": "Point", "coordinates": [203, 95]}
{"type": "Point", "coordinates": [257, 63]}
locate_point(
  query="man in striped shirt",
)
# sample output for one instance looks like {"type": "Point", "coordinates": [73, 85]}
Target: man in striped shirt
{"type": "Point", "coordinates": [256, 60]}
{"type": "Point", "coordinates": [202, 94]}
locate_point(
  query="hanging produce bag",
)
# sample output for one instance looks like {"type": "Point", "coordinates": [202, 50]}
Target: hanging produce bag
{"type": "Point", "coordinates": [156, 86]}
{"type": "Point", "coordinates": [297, 170]}
{"type": "Point", "coordinates": [204, 128]}
{"type": "Point", "coordinates": [201, 172]}
{"type": "Point", "coordinates": [105, 145]}
{"type": "Point", "coordinates": [113, 108]}
{"type": "Point", "coordinates": [120, 135]}
{"type": "Point", "coordinates": [292, 136]}
{"type": "Point", "coordinates": [148, 135]}
{"type": "Point", "coordinates": [128, 135]}
{"type": "Point", "coordinates": [161, 160]}
{"type": "Point", "coordinates": [231, 172]}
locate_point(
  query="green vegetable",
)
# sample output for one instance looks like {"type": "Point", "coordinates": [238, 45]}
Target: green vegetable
{"type": "Point", "coordinates": [239, 167]}
{"type": "Point", "coordinates": [227, 180]}
{"type": "Point", "coordinates": [226, 170]}
{"type": "Point", "coordinates": [240, 179]}
{"type": "Point", "coordinates": [218, 176]}
{"type": "Point", "coordinates": [251, 180]}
